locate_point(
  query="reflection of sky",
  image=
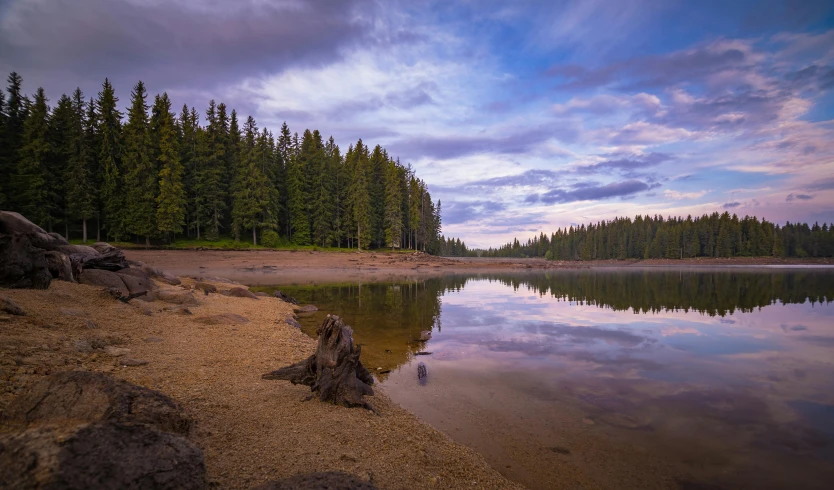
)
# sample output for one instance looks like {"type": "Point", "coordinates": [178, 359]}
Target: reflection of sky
{"type": "Point", "coordinates": [666, 360]}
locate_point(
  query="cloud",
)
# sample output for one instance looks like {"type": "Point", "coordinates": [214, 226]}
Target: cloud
{"type": "Point", "coordinates": [731, 205]}
{"type": "Point", "coordinates": [628, 164]}
{"type": "Point", "coordinates": [801, 197]}
{"type": "Point", "coordinates": [455, 212]}
{"type": "Point", "coordinates": [679, 196]}
{"type": "Point", "coordinates": [195, 44]}
{"type": "Point", "coordinates": [822, 184]}
{"type": "Point", "coordinates": [590, 193]}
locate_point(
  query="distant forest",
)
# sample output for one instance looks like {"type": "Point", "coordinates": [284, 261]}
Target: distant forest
{"type": "Point", "coordinates": [645, 237]}
{"type": "Point", "coordinates": [155, 175]}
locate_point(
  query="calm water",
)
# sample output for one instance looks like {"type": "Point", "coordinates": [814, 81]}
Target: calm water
{"type": "Point", "coordinates": [652, 378]}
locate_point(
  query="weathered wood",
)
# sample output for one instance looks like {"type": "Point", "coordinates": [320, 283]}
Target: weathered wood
{"type": "Point", "coordinates": [334, 371]}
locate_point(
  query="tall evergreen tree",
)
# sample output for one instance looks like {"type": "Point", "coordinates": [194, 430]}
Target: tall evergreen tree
{"type": "Point", "coordinates": [210, 184]}
{"type": "Point", "coordinates": [251, 197]}
{"type": "Point", "coordinates": [140, 172]}
{"type": "Point", "coordinates": [109, 129]}
{"type": "Point", "coordinates": [296, 177]}
{"type": "Point", "coordinates": [359, 197]}
{"type": "Point", "coordinates": [170, 214]}
{"type": "Point", "coordinates": [14, 116]}
{"type": "Point", "coordinates": [80, 189]}
{"type": "Point", "coordinates": [31, 178]}
{"type": "Point", "coordinates": [393, 204]}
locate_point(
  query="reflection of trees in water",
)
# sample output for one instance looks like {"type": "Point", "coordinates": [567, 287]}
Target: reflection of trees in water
{"type": "Point", "coordinates": [710, 292]}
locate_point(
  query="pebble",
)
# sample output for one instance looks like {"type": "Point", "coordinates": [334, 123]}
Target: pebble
{"type": "Point", "coordinates": [116, 351]}
{"type": "Point", "coordinates": [127, 361]}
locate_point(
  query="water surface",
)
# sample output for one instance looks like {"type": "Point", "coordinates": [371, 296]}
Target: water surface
{"type": "Point", "coordinates": [640, 378]}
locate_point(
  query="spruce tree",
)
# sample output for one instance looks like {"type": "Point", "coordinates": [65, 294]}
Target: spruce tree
{"type": "Point", "coordinates": [170, 214]}
{"type": "Point", "coordinates": [109, 155]}
{"type": "Point", "coordinates": [296, 176]}
{"type": "Point", "coordinates": [393, 221]}
{"type": "Point", "coordinates": [252, 193]}
{"type": "Point", "coordinates": [31, 179]}
{"type": "Point", "coordinates": [140, 172]}
{"type": "Point", "coordinates": [80, 190]}
{"type": "Point", "coordinates": [285, 154]}
{"type": "Point", "coordinates": [14, 117]}
{"type": "Point", "coordinates": [210, 183]}
{"type": "Point", "coordinates": [360, 199]}
{"type": "Point", "coordinates": [3, 165]}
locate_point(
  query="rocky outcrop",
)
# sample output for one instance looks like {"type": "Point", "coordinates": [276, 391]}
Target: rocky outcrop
{"type": "Point", "coordinates": [30, 257]}
{"type": "Point", "coordinates": [89, 430]}
{"type": "Point", "coordinates": [96, 397]}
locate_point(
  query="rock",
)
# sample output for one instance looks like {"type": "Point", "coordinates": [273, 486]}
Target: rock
{"type": "Point", "coordinates": [103, 278]}
{"type": "Point", "coordinates": [242, 293]}
{"type": "Point", "coordinates": [330, 480]}
{"type": "Point", "coordinates": [96, 397]}
{"type": "Point", "coordinates": [22, 265]}
{"type": "Point", "coordinates": [161, 275]}
{"type": "Point", "coordinates": [222, 319]}
{"type": "Point", "coordinates": [137, 281]}
{"type": "Point", "coordinates": [178, 298]}
{"type": "Point", "coordinates": [116, 351]}
{"type": "Point", "coordinates": [59, 266]}
{"type": "Point", "coordinates": [72, 312]}
{"type": "Point", "coordinates": [83, 345]}
{"type": "Point", "coordinates": [206, 287]}
{"type": "Point", "coordinates": [425, 335]}
{"type": "Point", "coordinates": [100, 455]}
{"type": "Point", "coordinates": [292, 322]}
{"type": "Point", "coordinates": [10, 307]}
{"type": "Point", "coordinates": [130, 362]}
{"type": "Point", "coordinates": [103, 247]}
{"type": "Point", "coordinates": [12, 223]}
{"type": "Point", "coordinates": [305, 309]}
{"type": "Point", "coordinates": [261, 294]}
{"type": "Point", "coordinates": [285, 298]}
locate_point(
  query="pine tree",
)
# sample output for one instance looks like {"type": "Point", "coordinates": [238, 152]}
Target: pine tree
{"type": "Point", "coordinates": [3, 165]}
{"type": "Point", "coordinates": [31, 178]}
{"type": "Point", "coordinates": [61, 135]}
{"type": "Point", "coordinates": [170, 214]}
{"type": "Point", "coordinates": [209, 181]}
{"type": "Point", "coordinates": [80, 190]}
{"type": "Point", "coordinates": [232, 158]}
{"type": "Point", "coordinates": [140, 172]}
{"type": "Point", "coordinates": [109, 156]}
{"type": "Point", "coordinates": [188, 128]}
{"type": "Point", "coordinates": [283, 155]}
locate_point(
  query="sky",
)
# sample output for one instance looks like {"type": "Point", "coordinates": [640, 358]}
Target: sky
{"type": "Point", "coordinates": [522, 117]}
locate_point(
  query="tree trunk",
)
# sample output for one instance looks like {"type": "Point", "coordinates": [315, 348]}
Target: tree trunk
{"type": "Point", "coordinates": [98, 228]}
{"type": "Point", "coordinates": [334, 371]}
{"type": "Point", "coordinates": [147, 241]}
{"type": "Point", "coordinates": [84, 228]}
{"type": "Point", "coordinates": [254, 236]}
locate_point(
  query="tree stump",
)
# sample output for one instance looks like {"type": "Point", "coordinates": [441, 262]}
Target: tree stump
{"type": "Point", "coordinates": [334, 371]}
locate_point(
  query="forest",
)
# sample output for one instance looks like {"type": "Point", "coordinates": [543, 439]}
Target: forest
{"type": "Point", "coordinates": [153, 175]}
{"type": "Point", "coordinates": [645, 237]}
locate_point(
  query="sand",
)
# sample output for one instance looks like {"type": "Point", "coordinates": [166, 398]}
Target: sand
{"type": "Point", "coordinates": [251, 430]}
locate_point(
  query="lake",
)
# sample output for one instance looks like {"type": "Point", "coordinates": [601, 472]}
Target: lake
{"type": "Point", "coordinates": [611, 378]}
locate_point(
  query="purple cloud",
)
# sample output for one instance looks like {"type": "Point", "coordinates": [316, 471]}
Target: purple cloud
{"type": "Point", "coordinates": [590, 193]}
{"type": "Point", "coordinates": [801, 197]}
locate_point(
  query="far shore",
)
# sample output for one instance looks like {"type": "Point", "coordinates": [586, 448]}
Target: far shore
{"type": "Point", "coordinates": [304, 266]}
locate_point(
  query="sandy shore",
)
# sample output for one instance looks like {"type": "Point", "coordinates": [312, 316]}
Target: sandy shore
{"type": "Point", "coordinates": [251, 430]}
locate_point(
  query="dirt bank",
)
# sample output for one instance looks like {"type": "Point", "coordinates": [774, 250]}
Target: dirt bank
{"type": "Point", "coordinates": [251, 430]}
{"type": "Point", "coordinates": [265, 266]}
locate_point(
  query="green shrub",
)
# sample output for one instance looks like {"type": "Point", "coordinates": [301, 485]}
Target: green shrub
{"type": "Point", "coordinates": [270, 239]}
{"type": "Point", "coordinates": [548, 255]}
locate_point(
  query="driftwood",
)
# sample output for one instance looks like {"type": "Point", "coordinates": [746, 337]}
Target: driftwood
{"type": "Point", "coordinates": [334, 371]}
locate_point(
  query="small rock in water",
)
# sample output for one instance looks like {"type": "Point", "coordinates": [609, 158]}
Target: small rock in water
{"type": "Point", "coordinates": [421, 371]}
{"type": "Point", "coordinates": [291, 322]}
{"type": "Point", "coordinates": [306, 309]}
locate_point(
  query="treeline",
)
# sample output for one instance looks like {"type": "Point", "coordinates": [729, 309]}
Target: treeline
{"type": "Point", "coordinates": [645, 237]}
{"type": "Point", "coordinates": [155, 175]}
{"type": "Point", "coordinates": [454, 247]}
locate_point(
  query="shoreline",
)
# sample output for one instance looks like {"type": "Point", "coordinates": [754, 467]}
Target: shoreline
{"type": "Point", "coordinates": [251, 431]}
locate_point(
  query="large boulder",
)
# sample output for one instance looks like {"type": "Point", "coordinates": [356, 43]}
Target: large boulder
{"type": "Point", "coordinates": [85, 397]}
{"type": "Point", "coordinates": [105, 279]}
{"type": "Point", "coordinates": [100, 455]}
{"type": "Point", "coordinates": [137, 281]}
{"type": "Point", "coordinates": [22, 265]}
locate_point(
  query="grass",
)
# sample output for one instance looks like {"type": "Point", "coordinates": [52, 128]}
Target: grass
{"type": "Point", "coordinates": [228, 243]}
